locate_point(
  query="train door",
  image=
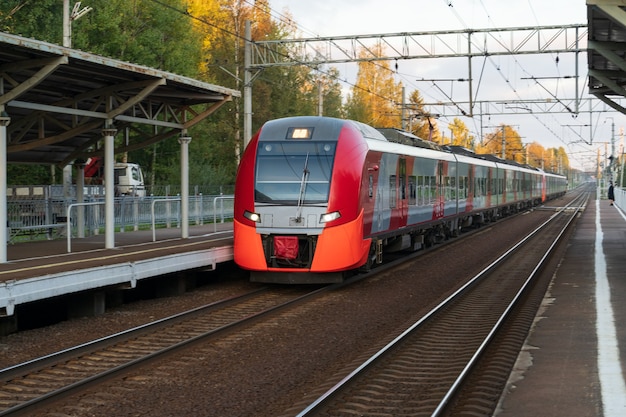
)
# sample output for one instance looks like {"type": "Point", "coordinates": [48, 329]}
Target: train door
{"type": "Point", "coordinates": [403, 206]}
{"type": "Point", "coordinates": [490, 189]}
{"type": "Point", "coordinates": [471, 187]}
{"type": "Point", "coordinates": [441, 191]}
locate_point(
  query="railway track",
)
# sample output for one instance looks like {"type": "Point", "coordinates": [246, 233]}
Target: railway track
{"type": "Point", "coordinates": [27, 387]}
{"type": "Point", "coordinates": [34, 385]}
{"type": "Point", "coordinates": [456, 359]}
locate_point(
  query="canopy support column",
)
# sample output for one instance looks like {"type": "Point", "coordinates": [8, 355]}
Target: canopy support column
{"type": "Point", "coordinates": [184, 182]}
{"type": "Point", "coordinates": [109, 132]}
{"type": "Point", "coordinates": [4, 224]}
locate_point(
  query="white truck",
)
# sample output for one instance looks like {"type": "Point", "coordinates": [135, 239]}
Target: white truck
{"type": "Point", "coordinates": [128, 177]}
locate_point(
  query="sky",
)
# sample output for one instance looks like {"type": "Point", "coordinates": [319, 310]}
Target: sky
{"type": "Point", "coordinates": [526, 77]}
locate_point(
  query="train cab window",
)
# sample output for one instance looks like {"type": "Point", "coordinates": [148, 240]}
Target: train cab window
{"type": "Point", "coordinates": [293, 172]}
{"type": "Point", "coordinates": [370, 187]}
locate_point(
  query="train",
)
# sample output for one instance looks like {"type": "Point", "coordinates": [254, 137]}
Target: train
{"type": "Point", "coordinates": [318, 198]}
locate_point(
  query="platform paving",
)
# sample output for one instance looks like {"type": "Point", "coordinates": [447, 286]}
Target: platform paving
{"type": "Point", "coordinates": [572, 364]}
{"type": "Point", "coordinates": [44, 269]}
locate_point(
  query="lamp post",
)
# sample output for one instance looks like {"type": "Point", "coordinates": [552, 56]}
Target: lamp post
{"type": "Point", "coordinates": [68, 18]}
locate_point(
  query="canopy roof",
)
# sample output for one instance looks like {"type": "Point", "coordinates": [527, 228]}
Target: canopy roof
{"type": "Point", "coordinates": [606, 50]}
{"type": "Point", "coordinates": [59, 99]}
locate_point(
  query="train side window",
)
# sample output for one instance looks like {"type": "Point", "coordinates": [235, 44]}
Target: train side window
{"type": "Point", "coordinates": [420, 190]}
{"type": "Point", "coordinates": [453, 188]}
{"type": "Point", "coordinates": [412, 190]}
{"type": "Point", "coordinates": [392, 191]}
{"type": "Point", "coordinates": [432, 190]}
{"type": "Point", "coordinates": [466, 185]}
{"type": "Point", "coordinates": [370, 187]}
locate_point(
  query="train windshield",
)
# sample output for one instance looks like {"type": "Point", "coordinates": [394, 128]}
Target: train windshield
{"type": "Point", "coordinates": [294, 173]}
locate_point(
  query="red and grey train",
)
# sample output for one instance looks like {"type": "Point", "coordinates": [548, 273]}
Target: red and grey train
{"type": "Point", "coordinates": [316, 197]}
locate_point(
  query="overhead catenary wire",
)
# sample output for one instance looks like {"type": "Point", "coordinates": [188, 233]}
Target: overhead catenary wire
{"type": "Point", "coordinates": [242, 38]}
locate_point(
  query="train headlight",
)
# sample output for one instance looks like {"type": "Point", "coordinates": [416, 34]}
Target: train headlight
{"type": "Point", "coordinates": [329, 217]}
{"type": "Point", "coordinates": [255, 217]}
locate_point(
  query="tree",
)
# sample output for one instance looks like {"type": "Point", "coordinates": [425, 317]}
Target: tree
{"type": "Point", "coordinates": [327, 81]}
{"type": "Point", "coordinates": [421, 123]}
{"type": "Point", "coordinates": [139, 31]}
{"type": "Point", "coordinates": [202, 39]}
{"type": "Point", "coordinates": [39, 20]}
{"type": "Point", "coordinates": [536, 154]}
{"type": "Point", "coordinates": [508, 137]}
{"type": "Point", "coordinates": [375, 94]}
{"type": "Point", "coordinates": [460, 134]}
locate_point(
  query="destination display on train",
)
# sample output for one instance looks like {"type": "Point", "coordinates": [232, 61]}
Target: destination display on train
{"type": "Point", "coordinates": [300, 133]}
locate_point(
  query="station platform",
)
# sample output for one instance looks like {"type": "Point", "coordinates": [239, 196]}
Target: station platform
{"type": "Point", "coordinates": [44, 269]}
{"type": "Point", "coordinates": [573, 362]}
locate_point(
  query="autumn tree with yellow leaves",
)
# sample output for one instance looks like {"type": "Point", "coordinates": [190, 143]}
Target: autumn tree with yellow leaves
{"type": "Point", "coordinates": [460, 134]}
{"type": "Point", "coordinates": [375, 94]}
{"type": "Point", "coordinates": [532, 154]}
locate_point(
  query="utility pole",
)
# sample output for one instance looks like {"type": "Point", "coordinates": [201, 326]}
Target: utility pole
{"type": "Point", "coordinates": [247, 85]}
{"type": "Point", "coordinates": [68, 18]}
{"type": "Point", "coordinates": [612, 157]}
{"type": "Point", "coordinates": [503, 143]}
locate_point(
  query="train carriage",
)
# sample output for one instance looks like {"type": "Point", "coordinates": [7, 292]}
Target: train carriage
{"type": "Point", "coordinates": [316, 197]}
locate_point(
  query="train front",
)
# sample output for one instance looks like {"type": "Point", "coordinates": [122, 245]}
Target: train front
{"type": "Point", "coordinates": [297, 217]}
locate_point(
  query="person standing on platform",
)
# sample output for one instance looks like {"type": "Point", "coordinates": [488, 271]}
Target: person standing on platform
{"type": "Point", "coordinates": [611, 193]}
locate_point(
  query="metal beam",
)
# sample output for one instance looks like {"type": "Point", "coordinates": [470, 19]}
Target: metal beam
{"type": "Point", "coordinates": [517, 107]}
{"type": "Point", "coordinates": [468, 43]}
{"type": "Point", "coordinates": [419, 45]}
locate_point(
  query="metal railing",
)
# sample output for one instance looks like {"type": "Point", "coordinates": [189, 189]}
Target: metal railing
{"type": "Point", "coordinates": [221, 200]}
{"type": "Point", "coordinates": [38, 215]}
{"type": "Point", "coordinates": [161, 200]}
{"type": "Point", "coordinates": [620, 198]}
{"type": "Point", "coordinates": [69, 220]}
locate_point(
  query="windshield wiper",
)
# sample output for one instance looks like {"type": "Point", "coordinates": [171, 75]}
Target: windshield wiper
{"type": "Point", "coordinates": [303, 181]}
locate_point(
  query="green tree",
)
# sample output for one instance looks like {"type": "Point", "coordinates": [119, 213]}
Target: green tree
{"type": "Point", "coordinates": [203, 39]}
{"type": "Point", "coordinates": [41, 19]}
{"type": "Point", "coordinates": [331, 92]}
{"type": "Point", "coordinates": [138, 31]}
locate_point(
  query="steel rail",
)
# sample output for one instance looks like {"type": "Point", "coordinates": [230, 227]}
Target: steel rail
{"type": "Point", "coordinates": [499, 323]}
{"type": "Point", "coordinates": [324, 398]}
{"type": "Point", "coordinates": [29, 367]}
